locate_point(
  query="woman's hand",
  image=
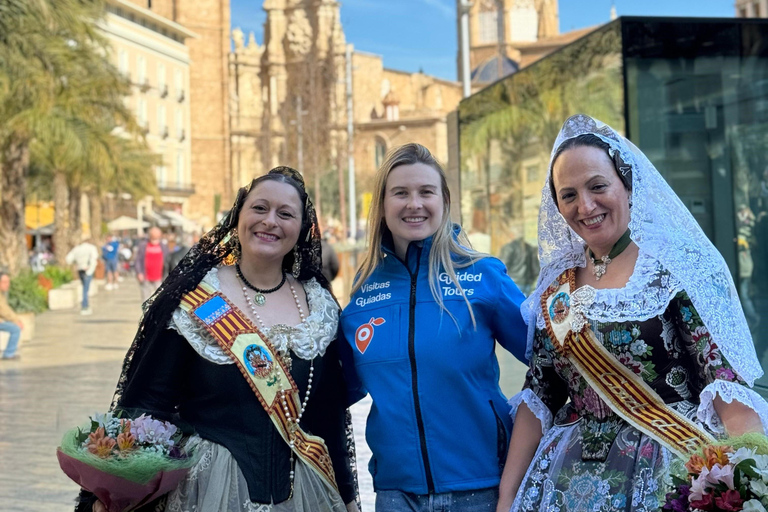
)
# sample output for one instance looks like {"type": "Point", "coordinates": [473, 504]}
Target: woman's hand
{"type": "Point", "coordinates": [352, 507]}
{"type": "Point", "coordinates": [99, 507]}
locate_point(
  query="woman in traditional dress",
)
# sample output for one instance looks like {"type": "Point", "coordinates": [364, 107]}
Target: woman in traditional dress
{"type": "Point", "coordinates": [420, 333]}
{"type": "Point", "coordinates": [635, 319]}
{"type": "Point", "coordinates": [190, 366]}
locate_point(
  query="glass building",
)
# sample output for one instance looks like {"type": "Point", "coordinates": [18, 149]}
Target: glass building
{"type": "Point", "coordinates": [691, 93]}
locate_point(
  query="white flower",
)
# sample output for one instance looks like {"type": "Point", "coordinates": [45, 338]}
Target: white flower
{"type": "Point", "coordinates": [635, 332]}
{"type": "Point", "coordinates": [759, 487]}
{"type": "Point", "coordinates": [753, 506]}
{"type": "Point", "coordinates": [102, 419]}
{"type": "Point", "coordinates": [638, 347]}
{"type": "Point", "coordinates": [761, 461]}
{"type": "Point", "coordinates": [740, 455]}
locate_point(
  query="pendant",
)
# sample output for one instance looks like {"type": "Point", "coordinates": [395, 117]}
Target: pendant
{"type": "Point", "coordinates": [259, 299]}
{"type": "Point", "coordinates": [598, 269]}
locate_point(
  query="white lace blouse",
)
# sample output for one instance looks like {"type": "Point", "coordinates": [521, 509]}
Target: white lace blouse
{"type": "Point", "coordinates": [308, 339]}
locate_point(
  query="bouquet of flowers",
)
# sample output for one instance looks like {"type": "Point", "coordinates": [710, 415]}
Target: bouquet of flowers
{"type": "Point", "coordinates": [125, 463]}
{"type": "Point", "coordinates": [730, 476]}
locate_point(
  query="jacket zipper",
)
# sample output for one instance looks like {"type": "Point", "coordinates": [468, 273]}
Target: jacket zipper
{"type": "Point", "coordinates": [414, 375]}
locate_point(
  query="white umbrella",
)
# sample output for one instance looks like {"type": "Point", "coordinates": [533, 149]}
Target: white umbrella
{"type": "Point", "coordinates": [124, 223]}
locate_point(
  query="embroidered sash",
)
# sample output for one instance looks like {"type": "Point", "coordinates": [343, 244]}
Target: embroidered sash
{"type": "Point", "coordinates": [624, 391]}
{"type": "Point", "coordinates": [263, 369]}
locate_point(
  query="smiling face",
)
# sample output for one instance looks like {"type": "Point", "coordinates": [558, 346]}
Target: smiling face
{"type": "Point", "coordinates": [591, 197]}
{"type": "Point", "coordinates": [413, 204]}
{"type": "Point", "coordinates": [270, 221]}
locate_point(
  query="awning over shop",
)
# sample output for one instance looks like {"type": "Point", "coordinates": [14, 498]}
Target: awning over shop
{"type": "Point", "coordinates": [178, 220]}
{"type": "Point", "coordinates": [125, 223]}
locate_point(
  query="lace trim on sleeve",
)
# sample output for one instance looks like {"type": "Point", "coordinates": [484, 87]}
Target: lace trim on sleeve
{"type": "Point", "coordinates": [535, 405]}
{"type": "Point", "coordinates": [729, 391]}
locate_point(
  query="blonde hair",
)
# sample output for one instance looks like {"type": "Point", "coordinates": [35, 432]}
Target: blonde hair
{"type": "Point", "coordinates": [444, 245]}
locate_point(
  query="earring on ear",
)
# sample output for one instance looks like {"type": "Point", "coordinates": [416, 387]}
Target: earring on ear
{"type": "Point", "coordinates": [234, 256]}
{"type": "Point", "coordinates": [296, 268]}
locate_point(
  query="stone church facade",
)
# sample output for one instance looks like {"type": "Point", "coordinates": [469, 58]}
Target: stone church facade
{"type": "Point", "coordinates": [288, 104]}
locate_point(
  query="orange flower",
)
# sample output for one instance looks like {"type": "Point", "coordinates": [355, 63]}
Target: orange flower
{"type": "Point", "coordinates": [125, 441]}
{"type": "Point", "coordinates": [100, 445]}
{"type": "Point", "coordinates": [717, 455]}
{"type": "Point", "coordinates": [695, 464]}
{"type": "Point", "coordinates": [125, 426]}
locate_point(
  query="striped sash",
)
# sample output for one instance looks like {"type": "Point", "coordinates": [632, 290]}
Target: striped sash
{"type": "Point", "coordinates": [624, 391]}
{"type": "Point", "coordinates": [262, 368]}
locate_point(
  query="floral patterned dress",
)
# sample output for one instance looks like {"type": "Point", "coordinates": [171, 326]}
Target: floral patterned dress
{"type": "Point", "coordinates": [591, 459]}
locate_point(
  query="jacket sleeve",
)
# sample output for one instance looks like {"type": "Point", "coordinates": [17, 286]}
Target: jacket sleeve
{"type": "Point", "coordinates": [7, 314]}
{"type": "Point", "coordinates": [507, 322]}
{"type": "Point", "coordinates": [355, 389]}
{"type": "Point", "coordinates": [328, 419]}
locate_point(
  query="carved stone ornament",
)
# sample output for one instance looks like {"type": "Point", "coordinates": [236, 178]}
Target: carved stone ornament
{"type": "Point", "coordinates": [298, 36]}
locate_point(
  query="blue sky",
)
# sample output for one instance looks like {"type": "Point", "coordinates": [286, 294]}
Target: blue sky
{"type": "Point", "coordinates": [421, 34]}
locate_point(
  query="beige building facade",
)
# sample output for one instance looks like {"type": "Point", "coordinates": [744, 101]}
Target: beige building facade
{"type": "Point", "coordinates": [195, 111]}
{"type": "Point", "coordinates": [151, 51]}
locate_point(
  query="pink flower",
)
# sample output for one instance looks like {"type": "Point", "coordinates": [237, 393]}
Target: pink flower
{"type": "Point", "coordinates": [725, 374]}
{"type": "Point", "coordinates": [699, 485]}
{"type": "Point", "coordinates": [730, 500]}
{"type": "Point", "coordinates": [705, 503]}
{"type": "Point", "coordinates": [720, 474]}
{"type": "Point", "coordinates": [646, 451]}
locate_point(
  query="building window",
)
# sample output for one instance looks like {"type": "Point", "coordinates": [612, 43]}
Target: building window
{"type": "Point", "coordinates": [489, 27]}
{"type": "Point", "coordinates": [381, 151]}
{"type": "Point", "coordinates": [524, 21]}
{"type": "Point", "coordinates": [179, 124]}
{"type": "Point", "coordinates": [758, 11]}
{"type": "Point", "coordinates": [141, 113]}
{"type": "Point", "coordinates": [161, 175]}
{"type": "Point", "coordinates": [162, 124]}
{"type": "Point", "coordinates": [180, 167]}
{"type": "Point", "coordinates": [122, 63]}
{"type": "Point", "coordinates": [141, 70]}
{"type": "Point", "coordinates": [178, 84]}
{"type": "Point", "coordinates": [162, 85]}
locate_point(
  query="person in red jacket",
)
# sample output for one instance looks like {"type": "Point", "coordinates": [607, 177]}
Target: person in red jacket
{"type": "Point", "coordinates": [150, 261]}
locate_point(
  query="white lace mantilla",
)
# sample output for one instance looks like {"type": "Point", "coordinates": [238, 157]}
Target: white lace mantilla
{"type": "Point", "coordinates": [729, 391]}
{"type": "Point", "coordinates": [670, 241]}
{"type": "Point", "coordinates": [308, 339]}
{"type": "Point", "coordinates": [535, 405]}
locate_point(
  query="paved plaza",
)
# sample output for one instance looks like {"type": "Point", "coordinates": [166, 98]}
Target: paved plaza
{"type": "Point", "coordinates": [67, 372]}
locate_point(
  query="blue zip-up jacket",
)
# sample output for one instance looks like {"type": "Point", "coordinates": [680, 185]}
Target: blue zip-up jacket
{"type": "Point", "coordinates": [439, 421]}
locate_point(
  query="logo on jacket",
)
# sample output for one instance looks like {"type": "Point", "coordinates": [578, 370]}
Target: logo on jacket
{"type": "Point", "coordinates": [364, 334]}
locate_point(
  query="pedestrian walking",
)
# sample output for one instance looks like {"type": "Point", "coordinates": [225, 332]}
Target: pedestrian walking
{"type": "Point", "coordinates": [110, 253]}
{"type": "Point", "coordinates": [150, 263]}
{"type": "Point", "coordinates": [84, 257]}
{"type": "Point", "coordinates": [9, 320]}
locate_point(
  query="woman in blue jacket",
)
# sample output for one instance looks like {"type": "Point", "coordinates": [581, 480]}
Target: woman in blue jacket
{"type": "Point", "coordinates": [420, 332]}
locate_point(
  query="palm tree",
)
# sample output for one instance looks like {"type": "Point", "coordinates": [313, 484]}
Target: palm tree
{"type": "Point", "coordinates": [37, 38]}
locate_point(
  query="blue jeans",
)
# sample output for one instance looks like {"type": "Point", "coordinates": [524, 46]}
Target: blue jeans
{"type": "Point", "coordinates": [15, 332]}
{"type": "Point", "coordinates": [86, 280]}
{"type": "Point", "coordinates": [480, 500]}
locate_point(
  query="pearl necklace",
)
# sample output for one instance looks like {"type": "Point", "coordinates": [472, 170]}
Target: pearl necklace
{"type": "Point", "coordinates": [293, 423]}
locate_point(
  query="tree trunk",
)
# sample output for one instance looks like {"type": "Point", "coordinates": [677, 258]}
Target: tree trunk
{"type": "Point", "coordinates": [61, 244]}
{"type": "Point", "coordinates": [75, 219]}
{"type": "Point", "coordinates": [95, 208]}
{"type": "Point", "coordinates": [13, 172]}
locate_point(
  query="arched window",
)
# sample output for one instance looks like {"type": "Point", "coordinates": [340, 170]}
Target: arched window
{"type": "Point", "coordinates": [381, 151]}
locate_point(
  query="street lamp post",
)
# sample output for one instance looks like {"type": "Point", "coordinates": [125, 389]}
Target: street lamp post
{"type": "Point", "coordinates": [466, 78]}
